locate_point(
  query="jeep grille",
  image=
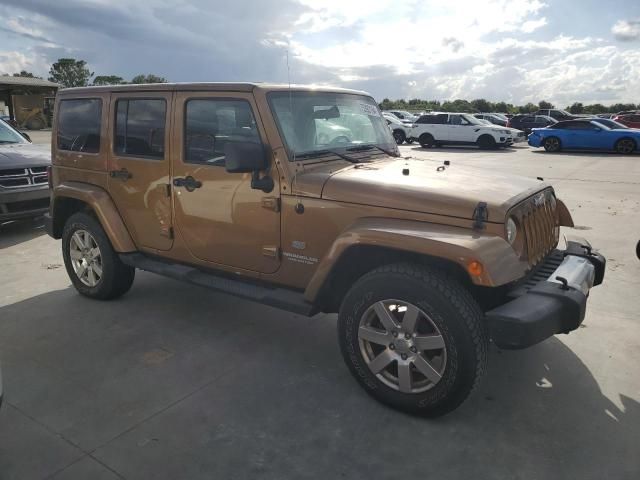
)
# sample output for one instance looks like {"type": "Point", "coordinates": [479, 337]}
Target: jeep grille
{"type": "Point", "coordinates": [538, 218]}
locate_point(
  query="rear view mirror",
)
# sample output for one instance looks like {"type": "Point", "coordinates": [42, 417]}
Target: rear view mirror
{"type": "Point", "coordinates": [327, 113]}
{"type": "Point", "coordinates": [242, 157]}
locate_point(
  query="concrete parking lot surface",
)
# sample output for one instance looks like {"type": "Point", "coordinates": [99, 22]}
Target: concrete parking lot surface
{"type": "Point", "coordinates": [174, 381]}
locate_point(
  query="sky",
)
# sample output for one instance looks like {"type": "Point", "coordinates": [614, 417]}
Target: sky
{"type": "Point", "coordinates": [517, 51]}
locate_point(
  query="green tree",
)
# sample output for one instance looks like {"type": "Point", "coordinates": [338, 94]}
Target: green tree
{"type": "Point", "coordinates": [24, 73]}
{"type": "Point", "coordinates": [108, 80]}
{"type": "Point", "coordinates": [150, 78]}
{"type": "Point", "coordinates": [544, 105]}
{"type": "Point", "coordinates": [70, 72]}
{"type": "Point", "coordinates": [481, 105]}
{"type": "Point", "coordinates": [501, 107]}
{"type": "Point", "coordinates": [530, 107]}
{"type": "Point", "coordinates": [577, 107]}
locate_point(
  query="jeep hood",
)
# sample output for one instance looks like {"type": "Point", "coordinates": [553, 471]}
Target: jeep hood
{"type": "Point", "coordinates": [451, 191]}
{"type": "Point", "coordinates": [22, 155]}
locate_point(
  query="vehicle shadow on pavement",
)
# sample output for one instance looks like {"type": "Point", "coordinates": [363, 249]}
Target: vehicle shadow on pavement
{"type": "Point", "coordinates": [584, 153]}
{"type": "Point", "coordinates": [175, 381]}
{"type": "Point", "coordinates": [13, 233]}
{"type": "Point", "coordinates": [462, 148]}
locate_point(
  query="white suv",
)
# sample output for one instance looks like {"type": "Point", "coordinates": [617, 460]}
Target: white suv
{"type": "Point", "coordinates": [437, 129]}
{"type": "Point", "coordinates": [401, 131]}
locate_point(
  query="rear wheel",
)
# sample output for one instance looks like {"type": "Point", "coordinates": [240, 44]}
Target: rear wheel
{"type": "Point", "coordinates": [625, 146]}
{"type": "Point", "coordinates": [426, 140]}
{"type": "Point", "coordinates": [93, 266]}
{"type": "Point", "coordinates": [35, 123]}
{"type": "Point", "coordinates": [552, 144]}
{"type": "Point", "coordinates": [486, 142]}
{"type": "Point", "coordinates": [399, 136]}
{"type": "Point", "coordinates": [413, 338]}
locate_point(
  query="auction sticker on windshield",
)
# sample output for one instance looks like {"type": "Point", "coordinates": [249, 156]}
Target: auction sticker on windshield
{"type": "Point", "coordinates": [369, 109]}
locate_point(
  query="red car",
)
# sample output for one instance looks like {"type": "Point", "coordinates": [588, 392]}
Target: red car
{"type": "Point", "coordinates": [631, 121]}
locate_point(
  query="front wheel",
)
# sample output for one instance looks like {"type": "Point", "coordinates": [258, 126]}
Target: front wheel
{"type": "Point", "coordinates": [413, 338]}
{"type": "Point", "coordinates": [426, 140]}
{"type": "Point", "coordinates": [399, 136]}
{"type": "Point", "coordinates": [93, 266]}
{"type": "Point", "coordinates": [552, 144]}
{"type": "Point", "coordinates": [486, 142]}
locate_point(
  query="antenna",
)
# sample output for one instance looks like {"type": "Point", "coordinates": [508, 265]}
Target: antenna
{"type": "Point", "coordinates": [293, 150]}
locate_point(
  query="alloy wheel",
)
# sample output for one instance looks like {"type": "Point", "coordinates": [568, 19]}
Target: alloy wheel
{"type": "Point", "coordinates": [402, 346]}
{"type": "Point", "coordinates": [85, 257]}
{"type": "Point", "coordinates": [552, 144]}
{"type": "Point", "coordinates": [625, 146]}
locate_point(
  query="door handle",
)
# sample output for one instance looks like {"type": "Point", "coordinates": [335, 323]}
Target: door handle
{"type": "Point", "coordinates": [189, 183]}
{"type": "Point", "coordinates": [122, 174]}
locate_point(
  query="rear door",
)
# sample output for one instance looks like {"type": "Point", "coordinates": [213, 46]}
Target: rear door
{"type": "Point", "coordinates": [139, 166]}
{"type": "Point", "coordinates": [220, 218]}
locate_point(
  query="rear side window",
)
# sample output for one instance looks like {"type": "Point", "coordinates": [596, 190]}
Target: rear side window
{"type": "Point", "coordinates": [140, 127]}
{"type": "Point", "coordinates": [211, 123]}
{"type": "Point", "coordinates": [79, 125]}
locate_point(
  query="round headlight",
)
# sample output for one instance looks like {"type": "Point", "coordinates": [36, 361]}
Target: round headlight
{"type": "Point", "coordinates": [512, 230]}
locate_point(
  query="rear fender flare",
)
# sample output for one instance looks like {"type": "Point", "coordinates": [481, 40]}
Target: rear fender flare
{"type": "Point", "coordinates": [100, 202]}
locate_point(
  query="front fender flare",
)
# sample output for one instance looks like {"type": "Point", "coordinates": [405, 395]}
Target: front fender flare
{"type": "Point", "coordinates": [105, 210]}
{"type": "Point", "coordinates": [460, 245]}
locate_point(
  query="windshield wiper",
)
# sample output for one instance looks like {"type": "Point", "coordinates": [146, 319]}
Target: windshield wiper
{"type": "Point", "coordinates": [362, 148]}
{"type": "Point", "coordinates": [320, 153]}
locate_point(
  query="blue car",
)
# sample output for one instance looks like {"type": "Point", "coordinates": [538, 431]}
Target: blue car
{"type": "Point", "coordinates": [587, 134]}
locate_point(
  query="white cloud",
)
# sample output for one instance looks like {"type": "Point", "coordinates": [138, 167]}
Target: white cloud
{"type": "Point", "coordinates": [627, 30]}
{"type": "Point", "coordinates": [532, 25]}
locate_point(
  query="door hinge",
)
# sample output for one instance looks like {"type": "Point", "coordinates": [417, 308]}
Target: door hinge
{"type": "Point", "coordinates": [271, 203]}
{"type": "Point", "coordinates": [166, 231]}
{"type": "Point", "coordinates": [271, 251]}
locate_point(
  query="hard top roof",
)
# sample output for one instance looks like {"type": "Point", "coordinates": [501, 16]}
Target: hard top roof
{"type": "Point", "coordinates": [205, 86]}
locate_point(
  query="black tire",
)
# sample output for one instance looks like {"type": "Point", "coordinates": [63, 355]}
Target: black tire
{"type": "Point", "coordinates": [552, 144]}
{"type": "Point", "coordinates": [451, 309]}
{"type": "Point", "coordinates": [116, 277]}
{"type": "Point", "coordinates": [625, 146]}
{"type": "Point", "coordinates": [426, 140]}
{"type": "Point", "coordinates": [638, 249]}
{"type": "Point", "coordinates": [486, 142]}
{"type": "Point", "coordinates": [399, 136]}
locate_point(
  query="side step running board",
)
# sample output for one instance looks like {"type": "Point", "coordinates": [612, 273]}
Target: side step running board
{"type": "Point", "coordinates": [282, 298]}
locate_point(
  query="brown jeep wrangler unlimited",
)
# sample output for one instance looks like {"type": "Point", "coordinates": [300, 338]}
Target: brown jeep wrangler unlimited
{"type": "Point", "coordinates": [298, 198]}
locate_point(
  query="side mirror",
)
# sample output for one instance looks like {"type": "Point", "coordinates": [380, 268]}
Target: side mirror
{"type": "Point", "coordinates": [249, 157]}
{"type": "Point", "coordinates": [26, 136]}
{"type": "Point", "coordinates": [243, 157]}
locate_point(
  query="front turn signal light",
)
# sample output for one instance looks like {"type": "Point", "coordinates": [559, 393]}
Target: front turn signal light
{"type": "Point", "coordinates": [475, 268]}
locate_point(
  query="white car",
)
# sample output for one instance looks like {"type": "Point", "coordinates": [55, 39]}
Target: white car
{"type": "Point", "coordinates": [403, 115]}
{"type": "Point", "coordinates": [437, 129]}
{"type": "Point", "coordinates": [401, 131]}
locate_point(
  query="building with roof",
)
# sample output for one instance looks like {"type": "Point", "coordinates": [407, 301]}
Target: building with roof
{"type": "Point", "coordinates": [28, 102]}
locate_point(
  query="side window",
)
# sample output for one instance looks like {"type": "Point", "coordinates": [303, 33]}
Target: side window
{"type": "Point", "coordinates": [79, 125]}
{"type": "Point", "coordinates": [210, 124]}
{"type": "Point", "coordinates": [140, 127]}
{"type": "Point", "coordinates": [425, 119]}
{"type": "Point", "coordinates": [455, 120]}
{"type": "Point", "coordinates": [441, 118]}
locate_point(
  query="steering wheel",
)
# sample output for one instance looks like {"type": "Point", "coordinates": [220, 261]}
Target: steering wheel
{"type": "Point", "coordinates": [75, 140]}
{"type": "Point", "coordinates": [341, 140]}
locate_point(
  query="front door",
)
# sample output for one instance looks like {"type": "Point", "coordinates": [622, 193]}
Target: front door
{"type": "Point", "coordinates": [459, 129]}
{"type": "Point", "coordinates": [139, 166]}
{"type": "Point", "coordinates": [221, 219]}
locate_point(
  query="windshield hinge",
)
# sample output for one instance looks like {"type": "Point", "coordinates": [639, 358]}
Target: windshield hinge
{"type": "Point", "coordinates": [480, 215]}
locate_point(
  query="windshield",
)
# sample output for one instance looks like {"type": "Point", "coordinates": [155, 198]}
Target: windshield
{"type": "Point", "coordinates": [473, 120]}
{"type": "Point", "coordinates": [313, 121]}
{"type": "Point", "coordinates": [9, 135]}
{"type": "Point", "coordinates": [609, 123]}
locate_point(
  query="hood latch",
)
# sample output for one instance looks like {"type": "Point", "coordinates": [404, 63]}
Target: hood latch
{"type": "Point", "coordinates": [480, 215]}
